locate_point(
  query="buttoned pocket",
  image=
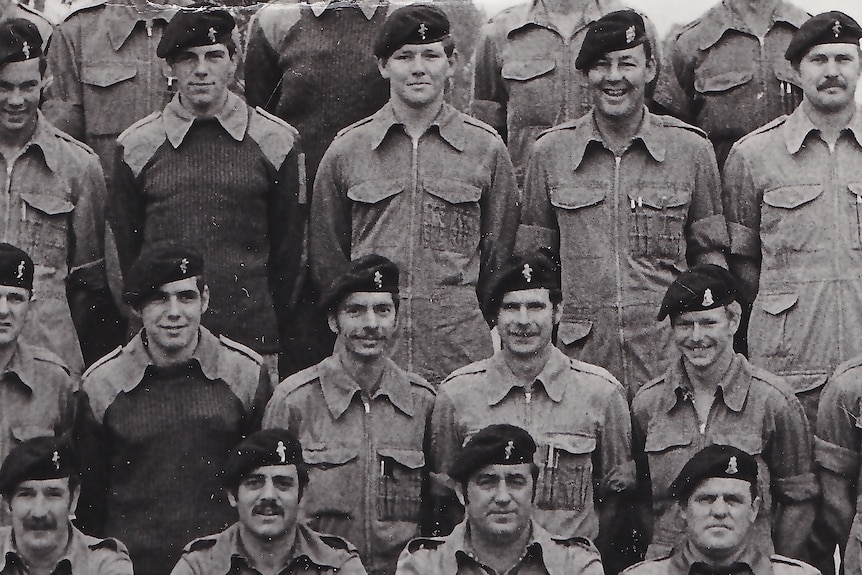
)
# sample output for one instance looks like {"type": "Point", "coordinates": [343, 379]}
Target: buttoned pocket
{"type": "Point", "coordinates": [21, 433]}
{"type": "Point", "coordinates": [567, 471]}
{"type": "Point", "coordinates": [451, 217]}
{"type": "Point", "coordinates": [374, 191]}
{"type": "Point", "coordinates": [667, 450]}
{"type": "Point", "coordinates": [788, 224]}
{"type": "Point", "coordinates": [45, 228]}
{"type": "Point", "coordinates": [399, 484]}
{"type": "Point", "coordinates": [772, 330]}
{"type": "Point", "coordinates": [713, 81]}
{"type": "Point", "coordinates": [109, 93]}
{"type": "Point", "coordinates": [576, 197]}
{"type": "Point", "coordinates": [657, 225]}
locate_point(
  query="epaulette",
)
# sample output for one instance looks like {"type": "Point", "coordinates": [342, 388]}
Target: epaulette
{"type": "Point", "coordinates": [568, 125]}
{"type": "Point", "coordinates": [510, 17]}
{"type": "Point", "coordinates": [847, 366]}
{"type": "Point", "coordinates": [48, 356]}
{"type": "Point", "coordinates": [275, 19]}
{"type": "Point", "coordinates": [576, 541]}
{"type": "Point", "coordinates": [243, 349]}
{"type": "Point", "coordinates": [109, 543]}
{"type": "Point", "coordinates": [84, 6]}
{"type": "Point", "coordinates": [200, 544]}
{"type": "Point", "coordinates": [419, 381]}
{"type": "Point", "coordinates": [469, 369]}
{"type": "Point", "coordinates": [598, 370]}
{"type": "Point", "coordinates": [361, 122]}
{"type": "Point", "coordinates": [764, 128]}
{"type": "Point", "coordinates": [424, 543]}
{"type": "Point", "coordinates": [103, 360]}
{"type": "Point", "coordinates": [663, 556]}
{"type": "Point", "coordinates": [142, 122]}
{"type": "Point", "coordinates": [276, 119]}
{"type": "Point", "coordinates": [675, 34]}
{"type": "Point", "coordinates": [782, 560]}
{"type": "Point", "coordinates": [480, 124]}
{"type": "Point", "coordinates": [298, 379]}
{"type": "Point", "coordinates": [652, 383]}
{"type": "Point", "coordinates": [671, 122]}
{"type": "Point", "coordinates": [337, 542]}
{"type": "Point", "coordinates": [67, 138]}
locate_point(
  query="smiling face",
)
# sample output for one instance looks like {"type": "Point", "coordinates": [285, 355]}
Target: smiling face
{"type": "Point", "coordinates": [417, 73]}
{"type": "Point", "coordinates": [172, 317]}
{"type": "Point", "coordinates": [719, 514]}
{"type": "Point", "coordinates": [704, 337]}
{"type": "Point", "coordinates": [499, 500]}
{"type": "Point", "coordinates": [526, 321]}
{"type": "Point", "coordinates": [267, 501]}
{"type": "Point", "coordinates": [203, 75]}
{"type": "Point", "coordinates": [366, 321]}
{"type": "Point", "coordinates": [618, 82]}
{"type": "Point", "coordinates": [21, 86]}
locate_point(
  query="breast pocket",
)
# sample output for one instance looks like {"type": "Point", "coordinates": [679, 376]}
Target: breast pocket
{"type": "Point", "coordinates": [567, 472]}
{"type": "Point", "coordinates": [45, 228]}
{"type": "Point", "coordinates": [657, 225]}
{"type": "Point", "coordinates": [667, 451]}
{"type": "Point", "coordinates": [399, 484]}
{"type": "Point", "coordinates": [328, 501]}
{"type": "Point", "coordinates": [583, 209]}
{"type": "Point", "coordinates": [714, 81]}
{"type": "Point", "coordinates": [451, 216]}
{"type": "Point", "coordinates": [108, 88]}
{"type": "Point", "coordinates": [376, 221]}
{"type": "Point", "coordinates": [528, 82]}
{"type": "Point", "coordinates": [788, 223]}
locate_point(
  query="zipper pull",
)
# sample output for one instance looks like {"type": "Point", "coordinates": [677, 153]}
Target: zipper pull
{"type": "Point", "coordinates": [528, 396]}
{"type": "Point", "coordinates": [148, 24]}
{"type": "Point", "coordinates": [366, 405]}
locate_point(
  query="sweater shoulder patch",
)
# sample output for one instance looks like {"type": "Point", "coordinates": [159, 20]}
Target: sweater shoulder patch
{"type": "Point", "coordinates": [84, 6]}
{"type": "Point", "coordinates": [353, 126]}
{"type": "Point", "coordinates": [275, 20]}
{"type": "Point", "coordinates": [244, 350]}
{"type": "Point", "coordinates": [110, 544]}
{"type": "Point", "coordinates": [275, 137]}
{"type": "Point", "coordinates": [141, 140]}
{"type": "Point", "coordinates": [200, 544]}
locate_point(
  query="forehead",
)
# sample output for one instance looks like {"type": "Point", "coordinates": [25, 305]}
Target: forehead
{"type": "Point", "coordinates": [636, 53]}
{"type": "Point", "coordinates": [722, 486]}
{"type": "Point", "coordinates": [204, 50]}
{"type": "Point", "coordinates": [185, 284]}
{"type": "Point", "coordinates": [832, 50]}
{"type": "Point", "coordinates": [274, 471]}
{"type": "Point", "coordinates": [21, 71]}
{"type": "Point", "coordinates": [533, 295]}
{"type": "Point", "coordinates": [12, 290]}
{"type": "Point", "coordinates": [436, 47]}
{"type": "Point", "coordinates": [715, 314]}
{"type": "Point", "coordinates": [367, 299]}
{"type": "Point", "coordinates": [43, 484]}
{"type": "Point", "coordinates": [502, 470]}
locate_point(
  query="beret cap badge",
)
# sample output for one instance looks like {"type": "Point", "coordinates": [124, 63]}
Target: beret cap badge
{"type": "Point", "coordinates": [631, 34]}
{"type": "Point", "coordinates": [528, 273]}
{"type": "Point", "coordinates": [378, 279]}
{"type": "Point", "coordinates": [25, 47]}
{"type": "Point", "coordinates": [708, 300]}
{"type": "Point", "coordinates": [510, 447]}
{"type": "Point", "coordinates": [732, 466]}
{"type": "Point", "coordinates": [836, 28]}
{"type": "Point", "coordinates": [423, 30]}
{"type": "Point", "coordinates": [55, 459]}
{"type": "Point", "coordinates": [281, 451]}
{"type": "Point", "coordinates": [20, 273]}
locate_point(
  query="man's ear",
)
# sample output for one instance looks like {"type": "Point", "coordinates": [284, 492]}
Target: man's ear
{"type": "Point", "coordinates": [332, 321]}
{"type": "Point", "coordinates": [231, 498]}
{"type": "Point", "coordinates": [73, 502]}
{"type": "Point", "coordinates": [381, 67]}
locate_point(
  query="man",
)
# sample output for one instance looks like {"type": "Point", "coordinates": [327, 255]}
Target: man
{"type": "Point", "coordinates": [54, 204]}
{"type": "Point", "coordinates": [717, 492]}
{"type": "Point", "coordinates": [713, 396]}
{"type": "Point", "coordinates": [160, 415]}
{"type": "Point", "coordinates": [266, 478]}
{"type": "Point", "coordinates": [210, 171]}
{"type": "Point", "coordinates": [496, 475]}
{"type": "Point", "coordinates": [40, 486]}
{"type": "Point", "coordinates": [428, 187]}
{"type": "Point", "coordinates": [629, 198]}
{"type": "Point", "coordinates": [730, 66]}
{"type": "Point", "coordinates": [362, 422]}
{"type": "Point", "coordinates": [793, 211]}
{"type": "Point", "coordinates": [577, 412]}
{"type": "Point", "coordinates": [525, 79]}
{"type": "Point", "coordinates": [36, 387]}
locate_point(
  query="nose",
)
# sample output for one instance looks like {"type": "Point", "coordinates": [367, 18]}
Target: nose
{"type": "Point", "coordinates": [696, 331]}
{"type": "Point", "coordinates": [371, 319]}
{"type": "Point", "coordinates": [417, 65]}
{"type": "Point", "coordinates": [502, 495]}
{"type": "Point", "coordinates": [201, 67]}
{"type": "Point", "coordinates": [719, 507]}
{"type": "Point", "coordinates": [523, 316]}
{"type": "Point", "coordinates": [4, 306]}
{"type": "Point", "coordinates": [832, 68]}
{"type": "Point", "coordinates": [268, 491]}
{"type": "Point", "coordinates": [16, 97]}
{"type": "Point", "coordinates": [39, 507]}
{"type": "Point", "coordinates": [173, 306]}
{"type": "Point", "coordinates": [614, 72]}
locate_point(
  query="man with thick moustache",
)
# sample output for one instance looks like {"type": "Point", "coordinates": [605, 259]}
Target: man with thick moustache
{"type": "Point", "coordinates": [426, 186]}
{"type": "Point", "coordinates": [497, 480]}
{"type": "Point", "coordinates": [160, 415]}
{"type": "Point", "coordinates": [210, 171]}
{"type": "Point", "coordinates": [627, 198]}
{"type": "Point", "coordinates": [362, 421]}
{"type": "Point", "coordinates": [266, 478]}
{"type": "Point", "coordinates": [577, 412]}
{"type": "Point", "coordinates": [712, 395]}
{"type": "Point", "coordinates": [40, 486]}
{"type": "Point", "coordinates": [718, 495]}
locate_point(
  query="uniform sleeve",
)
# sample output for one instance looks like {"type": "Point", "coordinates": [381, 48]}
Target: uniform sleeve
{"type": "Point", "coordinates": [741, 200]}
{"type": "Point", "coordinates": [446, 440]}
{"type": "Point", "coordinates": [262, 73]}
{"type": "Point", "coordinates": [790, 457]}
{"type": "Point", "coordinates": [64, 97]}
{"type": "Point", "coordinates": [94, 459]}
{"type": "Point", "coordinates": [115, 563]}
{"type": "Point", "coordinates": [615, 447]}
{"type": "Point", "coordinates": [330, 223]}
{"type": "Point", "coordinates": [183, 567]}
{"type": "Point", "coordinates": [262, 395]}
{"type": "Point", "coordinates": [278, 412]}
{"type": "Point", "coordinates": [643, 491]}
{"type": "Point", "coordinates": [538, 221]}
{"type": "Point", "coordinates": [706, 233]}
{"type": "Point", "coordinates": [352, 567]}
{"type": "Point", "coordinates": [674, 87]}
{"type": "Point", "coordinates": [125, 211]}
{"type": "Point", "coordinates": [489, 92]}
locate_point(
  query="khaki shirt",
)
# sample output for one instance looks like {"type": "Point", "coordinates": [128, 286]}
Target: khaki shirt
{"type": "Point", "coordinates": [84, 555]}
{"type": "Point", "coordinates": [754, 562]}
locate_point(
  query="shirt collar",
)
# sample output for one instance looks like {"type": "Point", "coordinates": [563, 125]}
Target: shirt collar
{"type": "Point", "coordinates": [233, 117]}
{"type": "Point", "coordinates": [368, 7]}
{"type": "Point", "coordinates": [541, 544]}
{"type": "Point", "coordinates": [22, 364]}
{"type": "Point", "coordinates": [734, 385]}
{"type": "Point", "coordinates": [723, 18]}
{"type": "Point", "coordinates": [448, 123]}
{"type": "Point", "coordinates": [586, 131]}
{"type": "Point", "coordinates": [339, 387]}
{"type": "Point", "coordinates": [537, 14]}
{"type": "Point", "coordinates": [76, 553]}
{"type": "Point", "coordinates": [798, 125]}
{"type": "Point", "coordinates": [759, 563]}
{"type": "Point", "coordinates": [307, 546]}
{"type": "Point", "coordinates": [121, 19]}
{"type": "Point", "coordinates": [44, 137]}
{"type": "Point", "coordinates": [501, 380]}
{"type": "Point", "coordinates": [136, 359]}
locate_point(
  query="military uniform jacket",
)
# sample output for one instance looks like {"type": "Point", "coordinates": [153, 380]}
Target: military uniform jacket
{"type": "Point", "coordinates": [445, 210]}
{"type": "Point", "coordinates": [755, 563]}
{"type": "Point", "coordinates": [84, 555]}
{"type": "Point", "coordinates": [545, 554]}
{"type": "Point", "coordinates": [366, 455]}
{"type": "Point", "coordinates": [313, 554]}
{"type": "Point", "coordinates": [625, 227]}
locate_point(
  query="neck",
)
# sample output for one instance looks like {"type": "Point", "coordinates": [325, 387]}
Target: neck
{"type": "Point", "coordinates": [208, 111]}
{"type": "Point", "coordinates": [498, 552]}
{"type": "Point", "coordinates": [830, 124]}
{"type": "Point", "coordinates": [11, 142]}
{"type": "Point", "coordinates": [6, 353]}
{"type": "Point", "coordinates": [42, 560]}
{"type": "Point", "coordinates": [366, 372]}
{"type": "Point", "coordinates": [526, 368]}
{"type": "Point", "coordinates": [268, 555]}
{"type": "Point", "coordinates": [165, 357]}
{"type": "Point", "coordinates": [706, 379]}
{"type": "Point", "coordinates": [719, 559]}
{"type": "Point", "coordinates": [618, 132]}
{"type": "Point", "coordinates": [564, 6]}
{"type": "Point", "coordinates": [416, 120]}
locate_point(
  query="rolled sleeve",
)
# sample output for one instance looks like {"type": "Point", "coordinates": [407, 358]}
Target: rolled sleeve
{"type": "Point", "coordinates": [500, 217]}
{"type": "Point", "coordinates": [835, 458]}
{"type": "Point", "coordinates": [796, 489]}
{"type": "Point", "coordinates": [707, 230]}
{"type": "Point", "coordinates": [791, 460]}
{"type": "Point", "coordinates": [615, 443]}
{"type": "Point", "coordinates": [86, 265]}
{"type": "Point", "coordinates": [330, 223]}
{"type": "Point", "coordinates": [539, 226]}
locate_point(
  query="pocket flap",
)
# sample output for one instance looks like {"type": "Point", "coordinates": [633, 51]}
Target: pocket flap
{"type": "Point", "coordinates": [454, 192]}
{"type": "Point", "coordinates": [527, 69]}
{"type": "Point", "coordinates": [573, 443]}
{"type": "Point", "coordinates": [660, 198]}
{"type": "Point", "coordinates": [777, 303]}
{"type": "Point", "coordinates": [750, 443]}
{"type": "Point", "coordinates": [104, 75]}
{"type": "Point", "coordinates": [785, 72]}
{"type": "Point", "coordinates": [802, 382]}
{"type": "Point", "coordinates": [572, 331]}
{"type": "Point", "coordinates": [659, 441]}
{"type": "Point", "coordinates": [856, 188]}
{"type": "Point", "coordinates": [374, 191]}
{"type": "Point", "coordinates": [51, 205]}
{"type": "Point", "coordinates": [792, 196]}
{"type": "Point", "coordinates": [329, 455]}
{"type": "Point", "coordinates": [28, 432]}
{"type": "Point", "coordinates": [571, 197]}
{"type": "Point", "coordinates": [410, 458]}
{"type": "Point", "coordinates": [722, 81]}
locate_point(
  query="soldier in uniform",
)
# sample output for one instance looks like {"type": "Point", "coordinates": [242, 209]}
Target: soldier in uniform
{"type": "Point", "coordinates": [496, 477]}
{"type": "Point", "coordinates": [160, 415]}
{"type": "Point", "coordinates": [717, 492]}
{"type": "Point", "coordinates": [577, 412]}
{"type": "Point", "coordinates": [40, 485]}
{"type": "Point", "coordinates": [362, 422]}
{"type": "Point", "coordinates": [266, 478]}
{"type": "Point", "coordinates": [628, 198]}
{"type": "Point", "coordinates": [212, 172]}
{"type": "Point", "coordinates": [426, 186]}
{"type": "Point", "coordinates": [713, 396]}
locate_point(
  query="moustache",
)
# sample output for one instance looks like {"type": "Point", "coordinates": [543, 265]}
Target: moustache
{"type": "Point", "coordinates": [832, 84]}
{"type": "Point", "coordinates": [267, 508]}
{"type": "Point", "coordinates": [40, 524]}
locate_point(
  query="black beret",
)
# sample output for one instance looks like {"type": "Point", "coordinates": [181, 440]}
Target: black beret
{"type": "Point", "coordinates": [714, 461]}
{"type": "Point", "coordinates": [370, 273]}
{"type": "Point", "coordinates": [16, 267]}
{"type": "Point", "coordinates": [826, 28]}
{"type": "Point", "coordinates": [706, 286]}
{"type": "Point", "coordinates": [19, 40]}
{"type": "Point", "coordinates": [413, 24]}
{"type": "Point", "coordinates": [157, 266]}
{"type": "Point", "coordinates": [496, 444]}
{"type": "Point", "coordinates": [538, 269]}
{"type": "Point", "coordinates": [36, 459]}
{"type": "Point", "coordinates": [200, 24]}
{"type": "Point", "coordinates": [267, 447]}
{"type": "Point", "coordinates": [612, 32]}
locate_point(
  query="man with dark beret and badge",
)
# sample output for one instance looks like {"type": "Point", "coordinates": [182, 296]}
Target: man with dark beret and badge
{"type": "Point", "coordinates": [40, 486]}
{"type": "Point", "coordinates": [711, 395]}
{"type": "Point", "coordinates": [426, 186]}
{"type": "Point", "coordinates": [54, 207]}
{"type": "Point", "coordinates": [160, 415]}
{"type": "Point", "coordinates": [266, 479]}
{"type": "Point", "coordinates": [36, 387]}
{"type": "Point", "coordinates": [212, 172]}
{"type": "Point", "coordinates": [717, 492]}
{"type": "Point", "coordinates": [577, 412]}
{"type": "Point", "coordinates": [496, 477]}
{"type": "Point", "coordinates": [627, 198]}
{"type": "Point", "coordinates": [362, 422]}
